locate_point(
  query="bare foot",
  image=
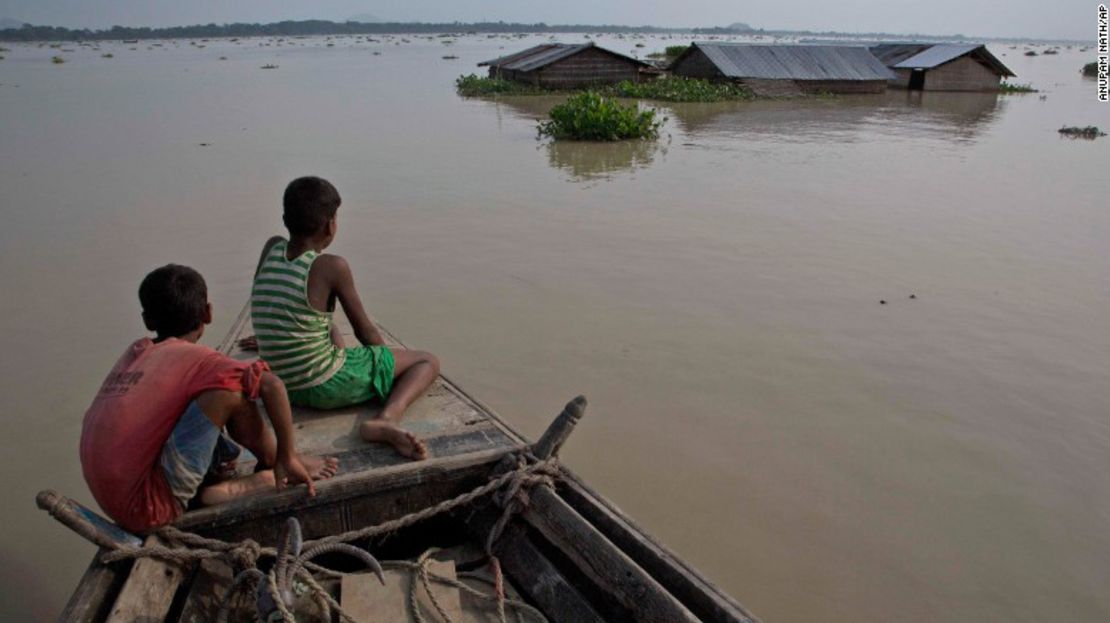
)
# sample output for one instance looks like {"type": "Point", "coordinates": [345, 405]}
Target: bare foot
{"type": "Point", "coordinates": [320, 468]}
{"type": "Point", "coordinates": [405, 443]}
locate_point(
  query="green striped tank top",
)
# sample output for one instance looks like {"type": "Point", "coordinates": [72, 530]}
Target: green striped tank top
{"type": "Point", "coordinates": [292, 336]}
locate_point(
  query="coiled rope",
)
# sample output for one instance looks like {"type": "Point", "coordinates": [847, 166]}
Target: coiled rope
{"type": "Point", "coordinates": [186, 548]}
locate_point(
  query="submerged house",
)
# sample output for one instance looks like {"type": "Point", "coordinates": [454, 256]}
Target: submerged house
{"type": "Point", "coordinates": [786, 69]}
{"type": "Point", "coordinates": [942, 66]}
{"type": "Point", "coordinates": [564, 65]}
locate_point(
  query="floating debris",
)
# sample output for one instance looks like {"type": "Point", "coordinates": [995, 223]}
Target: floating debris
{"type": "Point", "coordinates": [204, 144]}
{"type": "Point", "coordinates": [1090, 70]}
{"type": "Point", "coordinates": [108, 55]}
{"type": "Point", "coordinates": [1050, 52]}
{"type": "Point", "coordinates": [269, 66]}
{"type": "Point", "coordinates": [57, 60]}
{"type": "Point", "coordinates": [449, 57]}
{"type": "Point", "coordinates": [1010, 87]}
{"type": "Point", "coordinates": [1031, 53]}
{"type": "Point", "coordinates": [882, 301]}
{"type": "Point", "coordinates": [913, 296]}
{"type": "Point", "coordinates": [223, 58]}
{"type": "Point", "coordinates": [1088, 132]}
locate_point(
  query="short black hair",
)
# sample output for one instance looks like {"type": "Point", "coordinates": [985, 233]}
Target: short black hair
{"type": "Point", "coordinates": [309, 203]}
{"type": "Point", "coordinates": [174, 300]}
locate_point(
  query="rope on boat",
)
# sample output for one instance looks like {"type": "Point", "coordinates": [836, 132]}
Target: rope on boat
{"type": "Point", "coordinates": [189, 548]}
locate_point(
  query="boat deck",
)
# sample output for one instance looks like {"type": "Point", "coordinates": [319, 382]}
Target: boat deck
{"type": "Point", "coordinates": [445, 417]}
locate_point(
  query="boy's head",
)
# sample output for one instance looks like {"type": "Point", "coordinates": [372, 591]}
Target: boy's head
{"type": "Point", "coordinates": [309, 207]}
{"type": "Point", "coordinates": [175, 301]}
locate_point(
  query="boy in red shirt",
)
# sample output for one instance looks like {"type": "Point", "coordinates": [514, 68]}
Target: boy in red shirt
{"type": "Point", "coordinates": [151, 441]}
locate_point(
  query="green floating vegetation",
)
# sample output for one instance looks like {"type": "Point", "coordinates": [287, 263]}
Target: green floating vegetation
{"type": "Point", "coordinates": [668, 89]}
{"type": "Point", "coordinates": [590, 116]}
{"type": "Point", "coordinates": [674, 51]}
{"type": "Point", "coordinates": [1090, 69]}
{"type": "Point", "coordinates": [670, 52]}
{"type": "Point", "coordinates": [680, 89]}
{"type": "Point", "coordinates": [1010, 87]}
{"type": "Point", "coordinates": [474, 85]}
{"type": "Point", "coordinates": [1090, 132]}
{"type": "Point", "coordinates": [57, 60]}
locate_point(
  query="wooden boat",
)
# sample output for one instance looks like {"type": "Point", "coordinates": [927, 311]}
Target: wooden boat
{"type": "Point", "coordinates": [568, 552]}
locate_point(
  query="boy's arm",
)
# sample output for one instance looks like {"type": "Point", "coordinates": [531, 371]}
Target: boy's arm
{"type": "Point", "coordinates": [287, 467]}
{"type": "Point", "coordinates": [336, 336]}
{"type": "Point", "coordinates": [343, 284]}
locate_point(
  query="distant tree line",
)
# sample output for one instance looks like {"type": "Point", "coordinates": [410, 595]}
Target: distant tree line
{"type": "Point", "coordinates": [30, 32]}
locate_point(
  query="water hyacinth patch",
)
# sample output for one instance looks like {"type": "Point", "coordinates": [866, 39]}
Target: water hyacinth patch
{"type": "Point", "coordinates": [591, 117]}
{"type": "Point", "coordinates": [474, 85]}
{"type": "Point", "coordinates": [680, 89]}
{"type": "Point", "coordinates": [1009, 87]}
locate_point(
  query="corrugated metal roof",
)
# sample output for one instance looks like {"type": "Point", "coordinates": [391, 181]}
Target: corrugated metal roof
{"type": "Point", "coordinates": [893, 53]}
{"type": "Point", "coordinates": [501, 60]}
{"type": "Point", "coordinates": [795, 62]}
{"type": "Point", "coordinates": [936, 55]}
{"type": "Point", "coordinates": [545, 54]}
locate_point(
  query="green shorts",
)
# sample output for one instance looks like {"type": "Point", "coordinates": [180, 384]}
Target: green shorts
{"type": "Point", "coordinates": [366, 374]}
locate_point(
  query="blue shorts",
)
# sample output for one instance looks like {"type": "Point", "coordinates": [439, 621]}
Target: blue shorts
{"type": "Point", "coordinates": [196, 449]}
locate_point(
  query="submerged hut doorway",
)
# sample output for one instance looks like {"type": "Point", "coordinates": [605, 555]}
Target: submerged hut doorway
{"type": "Point", "coordinates": [917, 80]}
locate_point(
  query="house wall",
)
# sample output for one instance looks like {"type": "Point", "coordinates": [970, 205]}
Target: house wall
{"type": "Point", "coordinates": [842, 86]}
{"type": "Point", "coordinates": [696, 65]}
{"type": "Point", "coordinates": [589, 66]}
{"type": "Point", "coordinates": [963, 74]}
{"type": "Point", "coordinates": [903, 79]}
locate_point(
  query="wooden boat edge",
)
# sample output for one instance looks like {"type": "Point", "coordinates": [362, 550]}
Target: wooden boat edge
{"type": "Point", "coordinates": [101, 584]}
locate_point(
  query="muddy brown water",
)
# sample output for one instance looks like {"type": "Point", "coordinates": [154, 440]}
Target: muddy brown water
{"type": "Point", "coordinates": [715, 294]}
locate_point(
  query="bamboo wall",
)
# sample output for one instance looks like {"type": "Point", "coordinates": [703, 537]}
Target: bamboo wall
{"type": "Point", "coordinates": [963, 74]}
{"type": "Point", "coordinates": [696, 65]}
{"type": "Point", "coordinates": [841, 86]}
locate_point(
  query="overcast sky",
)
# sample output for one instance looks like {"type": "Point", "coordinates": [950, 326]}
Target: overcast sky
{"type": "Point", "coordinates": [1073, 19]}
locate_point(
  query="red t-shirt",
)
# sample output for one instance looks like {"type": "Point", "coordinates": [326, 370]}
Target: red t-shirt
{"type": "Point", "coordinates": [133, 415]}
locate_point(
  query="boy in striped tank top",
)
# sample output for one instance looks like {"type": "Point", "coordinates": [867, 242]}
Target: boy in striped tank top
{"type": "Point", "coordinates": [292, 303]}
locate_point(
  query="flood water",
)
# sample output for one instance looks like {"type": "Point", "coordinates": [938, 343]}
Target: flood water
{"type": "Point", "coordinates": [715, 295]}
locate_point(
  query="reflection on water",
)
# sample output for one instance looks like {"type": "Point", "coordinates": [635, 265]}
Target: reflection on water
{"type": "Point", "coordinates": [850, 118]}
{"type": "Point", "coordinates": [588, 160]}
{"type": "Point", "coordinates": [952, 118]}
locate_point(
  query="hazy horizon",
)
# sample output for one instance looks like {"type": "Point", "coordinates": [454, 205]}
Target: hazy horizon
{"type": "Point", "coordinates": [1069, 19]}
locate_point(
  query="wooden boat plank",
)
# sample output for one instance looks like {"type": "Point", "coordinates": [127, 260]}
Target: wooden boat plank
{"type": "Point", "coordinates": [601, 561]}
{"type": "Point", "coordinates": [149, 591]}
{"type": "Point", "coordinates": [96, 592]}
{"type": "Point", "coordinates": [698, 594]}
{"type": "Point", "coordinates": [211, 581]}
{"type": "Point", "coordinates": [537, 578]}
{"type": "Point", "coordinates": [468, 469]}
